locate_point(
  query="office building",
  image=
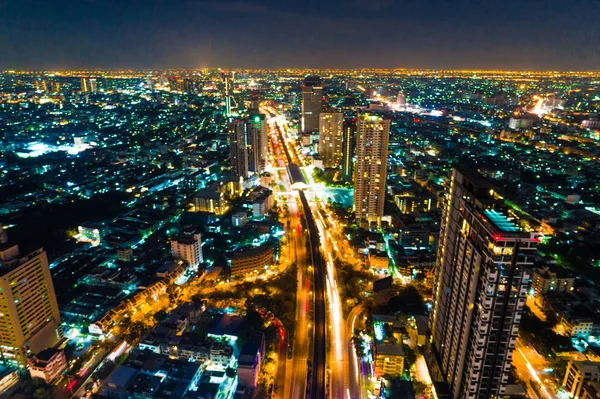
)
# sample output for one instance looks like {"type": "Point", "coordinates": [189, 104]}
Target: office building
{"type": "Point", "coordinates": [331, 138]}
{"type": "Point", "coordinates": [348, 145]}
{"type": "Point", "coordinates": [312, 102]}
{"type": "Point", "coordinates": [372, 135]}
{"type": "Point", "coordinates": [29, 320]}
{"type": "Point", "coordinates": [238, 148]}
{"type": "Point", "coordinates": [578, 374]}
{"type": "Point", "coordinates": [93, 86]}
{"type": "Point", "coordinates": [188, 247]}
{"type": "Point", "coordinates": [84, 85]}
{"type": "Point", "coordinates": [480, 288]}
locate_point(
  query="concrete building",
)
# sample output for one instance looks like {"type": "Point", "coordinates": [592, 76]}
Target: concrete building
{"type": "Point", "coordinates": [578, 374]}
{"type": "Point", "coordinates": [238, 148]}
{"type": "Point", "coordinates": [372, 135]}
{"type": "Point", "coordinates": [591, 390]}
{"type": "Point", "coordinates": [250, 361]}
{"type": "Point", "coordinates": [211, 199]}
{"type": "Point", "coordinates": [30, 319]}
{"type": "Point", "coordinates": [188, 247]}
{"type": "Point", "coordinates": [553, 278]}
{"type": "Point", "coordinates": [47, 364]}
{"type": "Point", "coordinates": [312, 102]}
{"type": "Point", "coordinates": [389, 359]}
{"type": "Point", "coordinates": [480, 288]}
{"type": "Point", "coordinates": [257, 142]}
{"type": "Point", "coordinates": [251, 261]}
{"type": "Point", "coordinates": [331, 128]}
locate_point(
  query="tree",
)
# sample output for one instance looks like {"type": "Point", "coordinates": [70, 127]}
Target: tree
{"type": "Point", "coordinates": [230, 372]}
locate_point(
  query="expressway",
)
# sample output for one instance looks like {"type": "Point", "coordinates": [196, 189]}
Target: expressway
{"type": "Point", "coordinates": [292, 372]}
{"type": "Point", "coordinates": [317, 372]}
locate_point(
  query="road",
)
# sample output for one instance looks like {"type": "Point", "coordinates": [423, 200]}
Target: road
{"type": "Point", "coordinates": [318, 380]}
{"type": "Point", "coordinates": [317, 377]}
{"type": "Point", "coordinates": [530, 367]}
{"type": "Point", "coordinates": [353, 366]}
{"type": "Point", "coordinates": [292, 373]}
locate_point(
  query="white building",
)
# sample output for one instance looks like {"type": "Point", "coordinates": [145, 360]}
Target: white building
{"type": "Point", "coordinates": [188, 247]}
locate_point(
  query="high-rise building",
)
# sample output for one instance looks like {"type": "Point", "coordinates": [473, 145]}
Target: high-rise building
{"type": "Point", "coordinates": [84, 85]}
{"type": "Point", "coordinates": [480, 289]}
{"type": "Point", "coordinates": [188, 247]}
{"type": "Point", "coordinates": [238, 148]}
{"type": "Point", "coordinates": [331, 138]}
{"type": "Point", "coordinates": [29, 315]}
{"type": "Point", "coordinates": [372, 136]}
{"type": "Point", "coordinates": [312, 102]}
{"type": "Point", "coordinates": [93, 86]}
{"type": "Point", "coordinates": [257, 144]}
{"type": "Point", "coordinates": [249, 147]}
{"type": "Point", "coordinates": [348, 145]}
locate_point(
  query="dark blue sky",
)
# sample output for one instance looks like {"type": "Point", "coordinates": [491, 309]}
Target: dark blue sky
{"type": "Point", "coordinates": [507, 34]}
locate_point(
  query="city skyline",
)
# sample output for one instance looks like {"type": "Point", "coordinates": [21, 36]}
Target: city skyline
{"type": "Point", "coordinates": [198, 34]}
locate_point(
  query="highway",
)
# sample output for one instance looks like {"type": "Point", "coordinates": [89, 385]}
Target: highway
{"type": "Point", "coordinates": [319, 332]}
{"type": "Point", "coordinates": [317, 372]}
{"type": "Point", "coordinates": [291, 379]}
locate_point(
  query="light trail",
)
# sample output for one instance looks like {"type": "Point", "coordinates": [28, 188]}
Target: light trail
{"type": "Point", "coordinates": [534, 375]}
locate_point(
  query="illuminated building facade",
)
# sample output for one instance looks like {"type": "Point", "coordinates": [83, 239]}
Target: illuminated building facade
{"type": "Point", "coordinates": [257, 144]}
{"type": "Point", "coordinates": [312, 102]}
{"type": "Point", "coordinates": [348, 145]}
{"type": "Point", "coordinates": [249, 145]}
{"type": "Point", "coordinates": [331, 138]}
{"type": "Point", "coordinates": [480, 288]}
{"type": "Point", "coordinates": [372, 135]}
{"type": "Point", "coordinates": [238, 148]}
{"type": "Point", "coordinates": [248, 261]}
{"type": "Point", "coordinates": [188, 247]}
{"type": "Point", "coordinates": [29, 315]}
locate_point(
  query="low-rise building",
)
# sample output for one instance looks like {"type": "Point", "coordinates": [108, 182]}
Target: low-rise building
{"type": "Point", "coordinates": [188, 247]}
{"type": "Point", "coordinates": [552, 278]}
{"type": "Point", "coordinates": [591, 390]}
{"type": "Point", "coordinates": [245, 262]}
{"type": "Point", "coordinates": [211, 199]}
{"type": "Point", "coordinates": [250, 361]}
{"type": "Point", "coordinates": [146, 374]}
{"type": "Point", "coordinates": [577, 374]}
{"type": "Point", "coordinates": [47, 364]}
{"type": "Point", "coordinates": [389, 359]}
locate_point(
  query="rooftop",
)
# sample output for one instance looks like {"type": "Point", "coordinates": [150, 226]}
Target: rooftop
{"type": "Point", "coordinates": [501, 221]}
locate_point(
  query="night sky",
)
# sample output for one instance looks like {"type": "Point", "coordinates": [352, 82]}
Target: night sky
{"type": "Point", "coordinates": [507, 34]}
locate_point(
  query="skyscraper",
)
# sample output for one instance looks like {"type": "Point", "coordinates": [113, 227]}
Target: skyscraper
{"type": "Point", "coordinates": [258, 146]}
{"type": "Point", "coordinates": [84, 85]}
{"type": "Point", "coordinates": [238, 148]}
{"type": "Point", "coordinates": [372, 136]}
{"type": "Point", "coordinates": [29, 316]}
{"type": "Point", "coordinates": [249, 146]}
{"type": "Point", "coordinates": [348, 145]}
{"type": "Point", "coordinates": [312, 95]}
{"type": "Point", "coordinates": [331, 138]}
{"type": "Point", "coordinates": [480, 288]}
{"type": "Point", "coordinates": [93, 85]}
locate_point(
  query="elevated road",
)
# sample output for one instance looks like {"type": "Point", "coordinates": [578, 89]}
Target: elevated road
{"type": "Point", "coordinates": [317, 373]}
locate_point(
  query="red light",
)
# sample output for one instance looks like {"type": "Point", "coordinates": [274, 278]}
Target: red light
{"type": "Point", "coordinates": [72, 385]}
